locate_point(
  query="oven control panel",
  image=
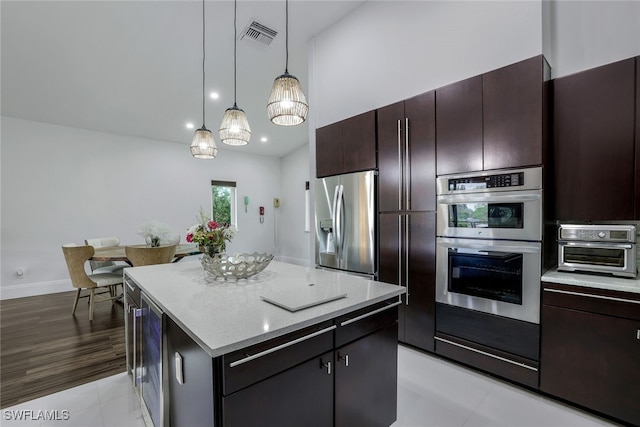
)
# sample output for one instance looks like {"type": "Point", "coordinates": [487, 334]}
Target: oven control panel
{"type": "Point", "coordinates": [598, 233]}
{"type": "Point", "coordinates": [515, 179]}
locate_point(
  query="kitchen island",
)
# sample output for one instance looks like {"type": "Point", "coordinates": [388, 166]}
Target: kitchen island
{"type": "Point", "coordinates": [216, 353]}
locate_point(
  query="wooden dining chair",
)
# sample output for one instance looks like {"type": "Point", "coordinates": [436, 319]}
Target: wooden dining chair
{"type": "Point", "coordinates": [76, 257]}
{"type": "Point", "coordinates": [142, 255]}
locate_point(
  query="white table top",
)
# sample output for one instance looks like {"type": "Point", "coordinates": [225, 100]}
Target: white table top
{"type": "Point", "coordinates": [613, 283]}
{"type": "Point", "coordinates": [226, 316]}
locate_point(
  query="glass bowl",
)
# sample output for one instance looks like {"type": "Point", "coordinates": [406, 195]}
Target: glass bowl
{"type": "Point", "coordinates": [235, 266]}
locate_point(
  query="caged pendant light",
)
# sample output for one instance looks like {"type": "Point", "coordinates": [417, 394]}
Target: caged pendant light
{"type": "Point", "coordinates": [203, 145]}
{"type": "Point", "coordinates": [287, 104]}
{"type": "Point", "coordinates": [234, 129]}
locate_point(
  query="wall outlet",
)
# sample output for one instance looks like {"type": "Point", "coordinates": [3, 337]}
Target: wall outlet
{"type": "Point", "coordinates": [276, 202]}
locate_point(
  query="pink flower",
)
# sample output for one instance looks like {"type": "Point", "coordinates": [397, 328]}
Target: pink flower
{"type": "Point", "coordinates": [212, 225]}
{"type": "Point", "coordinates": [189, 237]}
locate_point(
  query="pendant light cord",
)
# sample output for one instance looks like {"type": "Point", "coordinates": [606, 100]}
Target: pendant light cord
{"type": "Point", "coordinates": [203, 58]}
{"type": "Point", "coordinates": [235, 53]}
{"type": "Point", "coordinates": [286, 37]}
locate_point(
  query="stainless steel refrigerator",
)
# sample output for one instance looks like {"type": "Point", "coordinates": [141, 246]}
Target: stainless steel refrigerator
{"type": "Point", "coordinates": [345, 222]}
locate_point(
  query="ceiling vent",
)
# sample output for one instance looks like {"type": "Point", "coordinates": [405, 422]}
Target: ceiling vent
{"type": "Point", "coordinates": [258, 33]}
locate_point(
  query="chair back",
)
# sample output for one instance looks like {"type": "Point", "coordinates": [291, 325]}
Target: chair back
{"type": "Point", "coordinates": [102, 242]}
{"type": "Point", "coordinates": [76, 256]}
{"type": "Point", "coordinates": [142, 255]}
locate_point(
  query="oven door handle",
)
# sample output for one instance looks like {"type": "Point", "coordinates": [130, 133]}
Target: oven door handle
{"type": "Point", "coordinates": [598, 245]}
{"type": "Point", "coordinates": [485, 198]}
{"type": "Point", "coordinates": [496, 247]}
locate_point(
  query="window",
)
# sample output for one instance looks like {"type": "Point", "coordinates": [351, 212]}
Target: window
{"type": "Point", "coordinates": [223, 202]}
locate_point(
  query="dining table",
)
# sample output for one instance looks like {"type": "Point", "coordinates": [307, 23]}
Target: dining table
{"type": "Point", "coordinates": [117, 253]}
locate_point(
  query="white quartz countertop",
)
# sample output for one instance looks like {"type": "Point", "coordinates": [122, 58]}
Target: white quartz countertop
{"type": "Point", "coordinates": [226, 316]}
{"type": "Point", "coordinates": [592, 281]}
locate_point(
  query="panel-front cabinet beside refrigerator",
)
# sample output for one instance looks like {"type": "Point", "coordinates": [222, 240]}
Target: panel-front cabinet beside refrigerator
{"type": "Point", "coordinates": [345, 222]}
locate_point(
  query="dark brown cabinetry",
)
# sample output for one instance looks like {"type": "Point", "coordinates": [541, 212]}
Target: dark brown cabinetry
{"type": "Point", "coordinates": [513, 114]}
{"type": "Point", "coordinates": [406, 155]}
{"type": "Point", "coordinates": [342, 372]}
{"type": "Point", "coordinates": [493, 121]}
{"type": "Point", "coordinates": [407, 258]}
{"type": "Point", "coordinates": [590, 349]}
{"type": "Point", "coordinates": [190, 399]}
{"type": "Point", "coordinates": [459, 126]}
{"type": "Point", "coordinates": [346, 146]}
{"type": "Point", "coordinates": [593, 143]}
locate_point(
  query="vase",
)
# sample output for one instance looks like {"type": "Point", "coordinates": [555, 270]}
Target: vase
{"type": "Point", "coordinates": [152, 241]}
{"type": "Point", "coordinates": [211, 250]}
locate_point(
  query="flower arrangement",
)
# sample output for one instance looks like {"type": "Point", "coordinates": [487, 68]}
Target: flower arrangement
{"type": "Point", "coordinates": [211, 236]}
{"type": "Point", "coordinates": [157, 233]}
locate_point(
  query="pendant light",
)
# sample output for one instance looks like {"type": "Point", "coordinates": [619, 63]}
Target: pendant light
{"type": "Point", "coordinates": [235, 129]}
{"type": "Point", "coordinates": [287, 104]}
{"type": "Point", "coordinates": [203, 145]}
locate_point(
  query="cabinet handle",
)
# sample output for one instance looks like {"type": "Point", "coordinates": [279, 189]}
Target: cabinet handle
{"type": "Point", "coordinates": [177, 358]}
{"type": "Point", "coordinates": [399, 250]}
{"type": "Point", "coordinates": [406, 255]}
{"type": "Point", "coordinates": [281, 346]}
{"type": "Point", "coordinates": [407, 170]}
{"type": "Point", "coordinates": [371, 313]}
{"type": "Point", "coordinates": [513, 362]}
{"type": "Point", "coordinates": [326, 365]}
{"type": "Point", "coordinates": [399, 166]}
{"type": "Point", "coordinates": [638, 334]}
{"type": "Point", "coordinates": [345, 358]}
{"type": "Point", "coordinates": [581, 294]}
{"type": "Point", "coordinates": [129, 286]}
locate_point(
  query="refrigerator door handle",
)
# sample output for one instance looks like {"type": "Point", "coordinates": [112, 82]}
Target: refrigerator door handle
{"type": "Point", "coordinates": [399, 165]}
{"type": "Point", "coordinates": [339, 220]}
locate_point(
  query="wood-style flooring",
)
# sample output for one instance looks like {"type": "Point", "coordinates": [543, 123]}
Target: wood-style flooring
{"type": "Point", "coordinates": [44, 349]}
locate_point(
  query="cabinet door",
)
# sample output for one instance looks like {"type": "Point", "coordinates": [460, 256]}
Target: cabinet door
{"type": "Point", "coordinates": [419, 316]}
{"type": "Point", "coordinates": [391, 255]}
{"type": "Point", "coordinates": [591, 360]}
{"type": "Point", "coordinates": [513, 115]}
{"type": "Point", "coordinates": [190, 403]}
{"type": "Point", "coordinates": [594, 143]}
{"type": "Point", "coordinates": [300, 396]}
{"type": "Point", "coordinates": [366, 380]}
{"type": "Point", "coordinates": [637, 144]}
{"type": "Point", "coordinates": [329, 150]}
{"type": "Point", "coordinates": [459, 125]}
{"type": "Point", "coordinates": [359, 142]}
{"type": "Point", "coordinates": [420, 159]}
{"type": "Point", "coordinates": [390, 157]}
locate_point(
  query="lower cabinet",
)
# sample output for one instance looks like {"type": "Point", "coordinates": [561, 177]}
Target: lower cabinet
{"type": "Point", "coordinates": [590, 349]}
{"type": "Point", "coordinates": [342, 372]}
{"type": "Point", "coordinates": [407, 258]}
{"type": "Point", "coordinates": [300, 396]}
{"type": "Point", "coordinates": [366, 380]}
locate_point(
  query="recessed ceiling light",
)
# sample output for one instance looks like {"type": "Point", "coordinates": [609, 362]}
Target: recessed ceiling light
{"type": "Point", "coordinates": [214, 95]}
{"type": "Point", "coordinates": [190, 125]}
{"type": "Point", "coordinates": [263, 139]}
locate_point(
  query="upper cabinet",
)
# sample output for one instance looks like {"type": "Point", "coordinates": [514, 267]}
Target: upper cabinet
{"type": "Point", "coordinates": [459, 125]}
{"type": "Point", "coordinates": [637, 169]}
{"type": "Point", "coordinates": [493, 121]}
{"type": "Point", "coordinates": [593, 143]}
{"type": "Point", "coordinates": [406, 155]}
{"type": "Point", "coordinates": [346, 146]}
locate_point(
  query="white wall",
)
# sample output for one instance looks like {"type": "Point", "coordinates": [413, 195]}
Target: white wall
{"type": "Point", "coordinates": [587, 34]}
{"type": "Point", "coordinates": [62, 184]}
{"type": "Point", "coordinates": [386, 51]}
{"type": "Point", "coordinates": [293, 243]}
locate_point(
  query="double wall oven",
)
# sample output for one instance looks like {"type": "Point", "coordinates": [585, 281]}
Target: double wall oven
{"type": "Point", "coordinates": [489, 257]}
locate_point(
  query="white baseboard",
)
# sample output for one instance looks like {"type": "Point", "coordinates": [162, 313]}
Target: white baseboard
{"type": "Point", "coordinates": [297, 261]}
{"type": "Point", "coordinates": [33, 289]}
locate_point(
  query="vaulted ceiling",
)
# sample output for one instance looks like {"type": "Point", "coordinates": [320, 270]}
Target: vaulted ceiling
{"type": "Point", "coordinates": [135, 67]}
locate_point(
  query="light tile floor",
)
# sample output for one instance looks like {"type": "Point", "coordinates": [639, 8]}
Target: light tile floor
{"type": "Point", "coordinates": [431, 392]}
